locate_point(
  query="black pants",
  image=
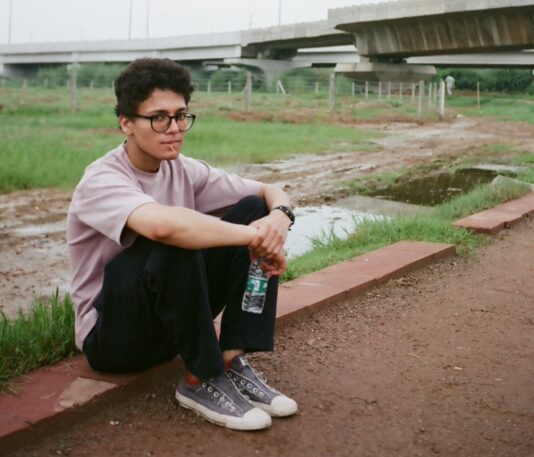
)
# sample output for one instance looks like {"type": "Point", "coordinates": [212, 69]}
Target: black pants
{"type": "Point", "coordinates": [158, 301]}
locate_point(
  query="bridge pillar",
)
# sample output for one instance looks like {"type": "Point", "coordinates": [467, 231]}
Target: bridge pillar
{"type": "Point", "coordinates": [272, 69]}
{"type": "Point", "coordinates": [366, 70]}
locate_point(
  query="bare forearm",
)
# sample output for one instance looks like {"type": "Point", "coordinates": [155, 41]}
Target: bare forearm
{"type": "Point", "coordinates": [274, 196]}
{"type": "Point", "coordinates": [187, 228]}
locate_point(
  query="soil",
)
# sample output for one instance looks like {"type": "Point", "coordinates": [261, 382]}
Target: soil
{"type": "Point", "coordinates": [439, 362]}
{"type": "Point", "coordinates": [32, 223]}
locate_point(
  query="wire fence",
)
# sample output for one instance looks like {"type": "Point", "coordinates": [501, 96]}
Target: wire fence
{"type": "Point", "coordinates": [427, 97]}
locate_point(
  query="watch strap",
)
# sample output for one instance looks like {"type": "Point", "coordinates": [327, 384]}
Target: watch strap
{"type": "Point", "coordinates": [287, 211]}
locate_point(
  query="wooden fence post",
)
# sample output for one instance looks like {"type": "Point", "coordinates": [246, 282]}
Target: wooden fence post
{"type": "Point", "coordinates": [442, 99]}
{"type": "Point", "coordinates": [73, 85]}
{"type": "Point", "coordinates": [332, 93]}
{"type": "Point", "coordinates": [248, 91]}
{"type": "Point", "coordinates": [478, 99]}
{"type": "Point", "coordinates": [421, 95]}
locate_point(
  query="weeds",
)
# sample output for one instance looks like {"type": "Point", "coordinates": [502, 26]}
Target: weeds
{"type": "Point", "coordinates": [42, 335]}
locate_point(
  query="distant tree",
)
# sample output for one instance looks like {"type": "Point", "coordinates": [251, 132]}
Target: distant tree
{"type": "Point", "coordinates": [494, 80]}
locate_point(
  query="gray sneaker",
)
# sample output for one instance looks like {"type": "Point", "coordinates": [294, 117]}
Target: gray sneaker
{"type": "Point", "coordinates": [218, 401]}
{"type": "Point", "coordinates": [253, 386]}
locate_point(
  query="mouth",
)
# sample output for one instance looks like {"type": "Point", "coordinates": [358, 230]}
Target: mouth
{"type": "Point", "coordinates": [173, 145]}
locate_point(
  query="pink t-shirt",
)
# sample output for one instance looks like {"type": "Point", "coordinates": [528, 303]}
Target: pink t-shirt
{"type": "Point", "coordinates": [109, 191]}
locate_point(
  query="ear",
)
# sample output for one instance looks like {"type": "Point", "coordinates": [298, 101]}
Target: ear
{"type": "Point", "coordinates": [125, 124]}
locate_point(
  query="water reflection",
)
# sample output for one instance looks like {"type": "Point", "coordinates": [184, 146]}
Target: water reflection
{"type": "Point", "coordinates": [435, 189]}
{"type": "Point", "coordinates": [314, 221]}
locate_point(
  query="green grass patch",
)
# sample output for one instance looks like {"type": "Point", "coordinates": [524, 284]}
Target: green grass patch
{"type": "Point", "coordinates": [518, 109]}
{"type": "Point", "coordinates": [436, 227]}
{"type": "Point", "coordinates": [40, 336]}
{"type": "Point", "coordinates": [374, 234]}
{"type": "Point", "coordinates": [222, 141]}
{"type": "Point", "coordinates": [45, 145]}
{"type": "Point", "coordinates": [479, 199]}
{"type": "Point", "coordinates": [526, 158]}
{"type": "Point", "coordinates": [367, 184]}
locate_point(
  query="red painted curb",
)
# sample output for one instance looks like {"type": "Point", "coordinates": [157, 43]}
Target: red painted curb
{"type": "Point", "coordinates": [501, 216]}
{"type": "Point", "coordinates": [58, 394]}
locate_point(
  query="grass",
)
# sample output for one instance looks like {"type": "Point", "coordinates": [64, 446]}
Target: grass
{"type": "Point", "coordinates": [436, 227]}
{"type": "Point", "coordinates": [221, 141]}
{"type": "Point", "coordinates": [479, 199]}
{"type": "Point", "coordinates": [45, 145]}
{"type": "Point", "coordinates": [367, 184]}
{"type": "Point", "coordinates": [42, 335]}
{"type": "Point", "coordinates": [509, 108]}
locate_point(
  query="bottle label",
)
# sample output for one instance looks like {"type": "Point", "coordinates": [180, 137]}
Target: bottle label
{"type": "Point", "coordinates": [256, 286]}
{"type": "Point", "coordinates": [255, 289]}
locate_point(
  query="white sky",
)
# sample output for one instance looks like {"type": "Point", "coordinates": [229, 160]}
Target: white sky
{"type": "Point", "coordinates": [72, 20]}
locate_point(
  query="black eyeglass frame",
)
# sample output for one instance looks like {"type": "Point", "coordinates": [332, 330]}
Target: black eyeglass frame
{"type": "Point", "coordinates": [176, 117]}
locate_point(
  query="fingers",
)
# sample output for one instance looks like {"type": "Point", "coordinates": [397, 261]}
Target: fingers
{"type": "Point", "coordinates": [276, 264]}
{"type": "Point", "coordinates": [270, 237]}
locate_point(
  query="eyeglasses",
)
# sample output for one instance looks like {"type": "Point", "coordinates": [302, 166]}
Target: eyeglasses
{"type": "Point", "coordinates": [161, 122]}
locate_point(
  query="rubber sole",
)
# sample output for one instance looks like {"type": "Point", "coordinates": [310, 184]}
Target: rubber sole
{"type": "Point", "coordinates": [260, 422]}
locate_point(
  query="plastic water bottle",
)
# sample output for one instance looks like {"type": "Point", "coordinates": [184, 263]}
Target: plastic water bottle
{"type": "Point", "coordinates": [254, 296]}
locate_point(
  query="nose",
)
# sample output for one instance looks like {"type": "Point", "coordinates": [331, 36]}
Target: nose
{"type": "Point", "coordinates": [173, 126]}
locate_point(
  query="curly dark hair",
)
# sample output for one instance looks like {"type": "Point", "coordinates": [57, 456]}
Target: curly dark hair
{"type": "Point", "coordinates": [139, 79]}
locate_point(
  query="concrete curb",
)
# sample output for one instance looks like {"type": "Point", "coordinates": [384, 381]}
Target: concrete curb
{"type": "Point", "coordinates": [501, 216]}
{"type": "Point", "coordinates": [57, 395]}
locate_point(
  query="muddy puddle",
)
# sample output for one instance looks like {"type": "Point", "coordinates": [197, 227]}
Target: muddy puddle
{"type": "Point", "coordinates": [438, 188]}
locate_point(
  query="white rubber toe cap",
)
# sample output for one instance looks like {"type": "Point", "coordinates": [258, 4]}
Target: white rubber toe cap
{"type": "Point", "coordinates": [281, 406]}
{"type": "Point", "coordinates": [255, 419]}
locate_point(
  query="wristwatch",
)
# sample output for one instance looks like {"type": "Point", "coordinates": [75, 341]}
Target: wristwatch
{"type": "Point", "coordinates": [287, 211]}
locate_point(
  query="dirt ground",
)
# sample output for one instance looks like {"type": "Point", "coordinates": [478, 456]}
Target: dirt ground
{"type": "Point", "coordinates": [439, 362]}
{"type": "Point", "coordinates": [32, 223]}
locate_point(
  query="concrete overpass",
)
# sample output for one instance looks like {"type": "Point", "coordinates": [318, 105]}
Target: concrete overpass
{"type": "Point", "coordinates": [398, 40]}
{"type": "Point", "coordinates": [270, 49]}
{"type": "Point", "coordinates": [387, 34]}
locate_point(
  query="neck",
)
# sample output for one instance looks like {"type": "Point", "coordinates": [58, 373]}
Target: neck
{"type": "Point", "coordinates": [140, 161]}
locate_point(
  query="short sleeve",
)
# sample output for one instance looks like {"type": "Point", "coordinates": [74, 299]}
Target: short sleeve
{"type": "Point", "coordinates": [215, 188]}
{"type": "Point", "coordinates": [106, 200]}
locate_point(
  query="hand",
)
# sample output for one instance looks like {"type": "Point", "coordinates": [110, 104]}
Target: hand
{"type": "Point", "coordinates": [270, 236]}
{"type": "Point", "coordinates": [276, 266]}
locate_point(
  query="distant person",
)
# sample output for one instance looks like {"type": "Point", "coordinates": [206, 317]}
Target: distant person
{"type": "Point", "coordinates": [151, 268]}
{"type": "Point", "coordinates": [449, 82]}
